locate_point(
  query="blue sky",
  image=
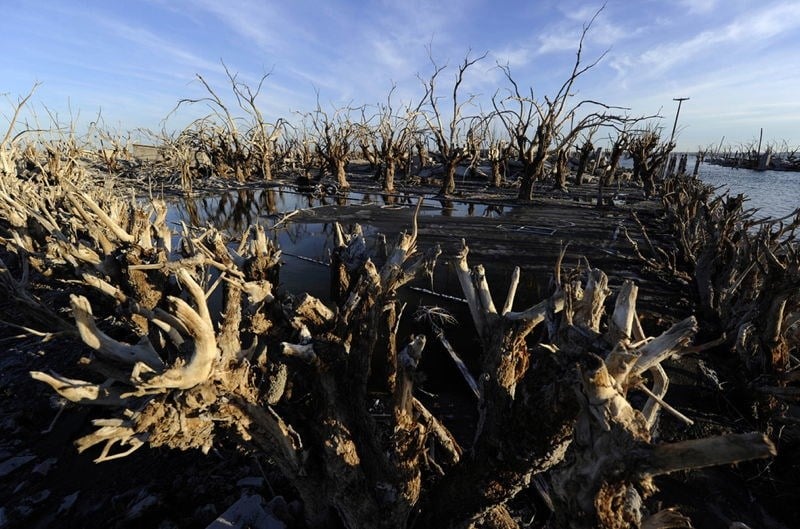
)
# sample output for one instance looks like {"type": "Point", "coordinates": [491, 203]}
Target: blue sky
{"type": "Point", "coordinates": [737, 60]}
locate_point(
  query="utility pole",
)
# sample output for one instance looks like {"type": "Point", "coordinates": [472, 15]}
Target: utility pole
{"type": "Point", "coordinates": [680, 101]}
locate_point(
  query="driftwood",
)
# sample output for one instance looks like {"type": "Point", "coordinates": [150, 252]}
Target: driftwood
{"type": "Point", "coordinates": [606, 456]}
{"type": "Point", "coordinates": [745, 275]}
{"type": "Point", "coordinates": [328, 391]}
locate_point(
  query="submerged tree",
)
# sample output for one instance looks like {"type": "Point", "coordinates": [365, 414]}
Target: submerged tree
{"type": "Point", "coordinates": [451, 138]}
{"type": "Point", "coordinates": [618, 147]}
{"type": "Point", "coordinates": [540, 129]}
{"type": "Point", "coordinates": [649, 154]}
{"type": "Point", "coordinates": [498, 151]}
{"type": "Point", "coordinates": [334, 136]}
{"type": "Point", "coordinates": [328, 394]}
{"type": "Point", "coordinates": [585, 151]}
{"type": "Point", "coordinates": [219, 135]}
{"type": "Point", "coordinates": [394, 135]}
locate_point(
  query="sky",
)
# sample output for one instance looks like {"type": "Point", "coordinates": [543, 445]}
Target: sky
{"type": "Point", "coordinates": [131, 61]}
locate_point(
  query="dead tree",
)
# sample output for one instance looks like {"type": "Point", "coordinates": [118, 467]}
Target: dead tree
{"type": "Point", "coordinates": [394, 132]}
{"type": "Point", "coordinates": [302, 151]}
{"type": "Point", "coordinates": [109, 148]}
{"type": "Point", "coordinates": [421, 146]}
{"type": "Point", "coordinates": [450, 139]}
{"type": "Point", "coordinates": [351, 438]}
{"type": "Point", "coordinates": [181, 153]}
{"type": "Point", "coordinates": [188, 376]}
{"type": "Point", "coordinates": [539, 129]}
{"type": "Point", "coordinates": [649, 154]}
{"type": "Point", "coordinates": [365, 136]}
{"type": "Point", "coordinates": [617, 150]}
{"type": "Point", "coordinates": [746, 271]}
{"type": "Point", "coordinates": [9, 151]}
{"type": "Point", "coordinates": [229, 148]}
{"type": "Point", "coordinates": [219, 136]}
{"type": "Point", "coordinates": [334, 135]}
{"type": "Point", "coordinates": [262, 136]}
{"type": "Point", "coordinates": [561, 171]}
{"type": "Point", "coordinates": [745, 274]}
{"type": "Point", "coordinates": [699, 158]}
{"type": "Point", "coordinates": [603, 458]}
{"type": "Point", "coordinates": [498, 152]}
{"type": "Point", "coordinates": [583, 160]}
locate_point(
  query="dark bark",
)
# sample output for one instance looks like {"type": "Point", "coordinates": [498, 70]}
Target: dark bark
{"type": "Point", "coordinates": [266, 169]}
{"type": "Point", "coordinates": [341, 173]}
{"type": "Point", "coordinates": [526, 437]}
{"type": "Point", "coordinates": [607, 176]}
{"type": "Point", "coordinates": [530, 174]}
{"type": "Point", "coordinates": [497, 173]}
{"type": "Point", "coordinates": [388, 175]}
{"type": "Point", "coordinates": [449, 177]}
{"type": "Point", "coordinates": [583, 161]}
{"type": "Point", "coordinates": [562, 171]}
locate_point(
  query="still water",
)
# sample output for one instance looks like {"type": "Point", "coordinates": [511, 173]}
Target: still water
{"type": "Point", "coordinates": [306, 246]}
{"type": "Point", "coordinates": [774, 193]}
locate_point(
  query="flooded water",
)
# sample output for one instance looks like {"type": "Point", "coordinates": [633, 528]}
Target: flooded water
{"type": "Point", "coordinates": [774, 193]}
{"type": "Point", "coordinates": [306, 246]}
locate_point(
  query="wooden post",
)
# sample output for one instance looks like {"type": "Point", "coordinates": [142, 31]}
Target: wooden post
{"type": "Point", "coordinates": [680, 101]}
{"type": "Point", "coordinates": [697, 161]}
{"type": "Point", "coordinates": [760, 138]}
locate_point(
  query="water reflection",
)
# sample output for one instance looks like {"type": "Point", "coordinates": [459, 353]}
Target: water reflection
{"type": "Point", "coordinates": [493, 211]}
{"type": "Point", "coordinates": [447, 207]}
{"type": "Point", "coordinates": [233, 211]}
{"type": "Point", "coordinates": [306, 246]}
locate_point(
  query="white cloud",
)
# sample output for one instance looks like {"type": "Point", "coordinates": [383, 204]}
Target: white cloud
{"type": "Point", "coordinates": [259, 23]}
{"type": "Point", "coordinates": [513, 57]}
{"type": "Point", "coordinates": [698, 7]}
{"type": "Point", "coordinates": [565, 35]}
{"type": "Point", "coordinates": [147, 39]}
{"type": "Point", "coordinates": [725, 55]}
{"type": "Point", "coordinates": [747, 29]}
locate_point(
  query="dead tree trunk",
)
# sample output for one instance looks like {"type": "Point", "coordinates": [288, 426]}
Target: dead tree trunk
{"type": "Point", "coordinates": [449, 177]}
{"type": "Point", "coordinates": [516, 380]}
{"type": "Point", "coordinates": [583, 161]}
{"type": "Point", "coordinates": [341, 173]}
{"type": "Point", "coordinates": [605, 179]}
{"type": "Point", "coordinates": [552, 409]}
{"type": "Point", "coordinates": [388, 175]}
{"type": "Point", "coordinates": [561, 171]}
{"type": "Point", "coordinates": [498, 155]}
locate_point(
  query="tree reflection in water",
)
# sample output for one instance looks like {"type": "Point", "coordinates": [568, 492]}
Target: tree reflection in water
{"type": "Point", "coordinates": [233, 211]}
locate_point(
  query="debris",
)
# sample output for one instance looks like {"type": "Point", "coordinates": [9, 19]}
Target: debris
{"type": "Point", "coordinates": [45, 466]}
{"type": "Point", "coordinates": [255, 482]}
{"type": "Point", "coordinates": [68, 502]}
{"type": "Point", "coordinates": [10, 465]}
{"type": "Point", "coordinates": [247, 512]}
{"type": "Point", "coordinates": [143, 502]}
